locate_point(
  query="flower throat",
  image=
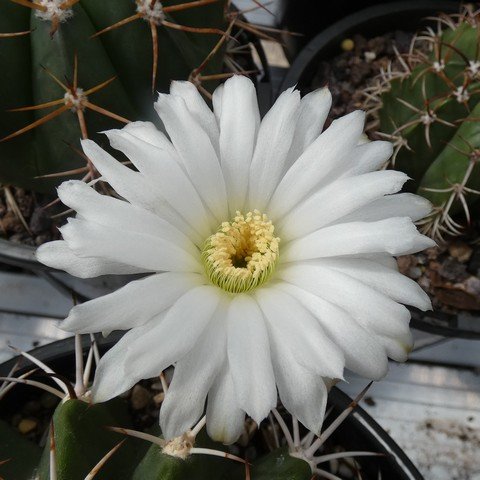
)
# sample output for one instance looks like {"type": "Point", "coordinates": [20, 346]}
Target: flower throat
{"type": "Point", "coordinates": [242, 254]}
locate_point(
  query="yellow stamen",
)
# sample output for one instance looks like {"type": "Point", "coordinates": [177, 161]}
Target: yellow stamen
{"type": "Point", "coordinates": [242, 254]}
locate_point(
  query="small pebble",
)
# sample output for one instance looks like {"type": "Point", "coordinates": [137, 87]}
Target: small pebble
{"type": "Point", "coordinates": [39, 221]}
{"type": "Point", "coordinates": [415, 273]}
{"type": "Point", "coordinates": [347, 45]}
{"type": "Point", "coordinates": [27, 425]}
{"type": "Point", "coordinates": [370, 56]}
{"type": "Point", "coordinates": [451, 269]}
{"type": "Point", "coordinates": [461, 251]}
{"type": "Point", "coordinates": [140, 397]}
{"type": "Point", "coordinates": [474, 263]}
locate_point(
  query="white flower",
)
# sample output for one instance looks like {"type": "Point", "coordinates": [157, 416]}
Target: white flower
{"type": "Point", "coordinates": [271, 252]}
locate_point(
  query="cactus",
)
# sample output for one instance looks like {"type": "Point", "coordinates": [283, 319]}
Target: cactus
{"type": "Point", "coordinates": [430, 109]}
{"type": "Point", "coordinates": [72, 68]}
{"type": "Point", "coordinates": [85, 441]}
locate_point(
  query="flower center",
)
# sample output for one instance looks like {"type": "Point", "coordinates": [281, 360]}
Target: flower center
{"type": "Point", "coordinates": [242, 254]}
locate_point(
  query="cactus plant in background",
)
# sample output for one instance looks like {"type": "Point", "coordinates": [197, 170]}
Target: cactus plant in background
{"type": "Point", "coordinates": [430, 109]}
{"type": "Point", "coordinates": [72, 68]}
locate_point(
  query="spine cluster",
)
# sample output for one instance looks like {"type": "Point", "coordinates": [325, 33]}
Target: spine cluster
{"type": "Point", "coordinates": [428, 106]}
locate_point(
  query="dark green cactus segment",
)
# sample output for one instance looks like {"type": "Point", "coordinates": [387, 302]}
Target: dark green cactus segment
{"type": "Point", "coordinates": [15, 90]}
{"type": "Point", "coordinates": [455, 162]}
{"type": "Point", "coordinates": [130, 47]}
{"type": "Point", "coordinates": [124, 52]}
{"type": "Point", "coordinates": [417, 158]}
{"type": "Point", "coordinates": [53, 140]}
{"type": "Point", "coordinates": [430, 112]}
{"type": "Point", "coordinates": [81, 440]}
{"type": "Point", "coordinates": [277, 465]}
{"type": "Point", "coordinates": [21, 456]}
{"type": "Point", "coordinates": [156, 465]}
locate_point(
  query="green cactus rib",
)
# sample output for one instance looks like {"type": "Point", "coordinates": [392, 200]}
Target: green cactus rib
{"type": "Point", "coordinates": [276, 465]}
{"type": "Point", "coordinates": [431, 112]}
{"type": "Point", "coordinates": [81, 439]}
{"type": "Point", "coordinates": [124, 53]}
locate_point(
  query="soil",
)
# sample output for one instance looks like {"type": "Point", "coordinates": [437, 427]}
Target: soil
{"type": "Point", "coordinates": [450, 273]}
{"type": "Point", "coordinates": [42, 227]}
{"type": "Point", "coordinates": [350, 73]}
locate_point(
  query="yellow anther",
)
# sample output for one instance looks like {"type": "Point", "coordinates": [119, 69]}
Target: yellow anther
{"type": "Point", "coordinates": [242, 254]}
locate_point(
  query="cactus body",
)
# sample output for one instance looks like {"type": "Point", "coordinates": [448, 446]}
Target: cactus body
{"type": "Point", "coordinates": [431, 111]}
{"type": "Point", "coordinates": [278, 465]}
{"type": "Point", "coordinates": [123, 54]}
{"type": "Point", "coordinates": [81, 439]}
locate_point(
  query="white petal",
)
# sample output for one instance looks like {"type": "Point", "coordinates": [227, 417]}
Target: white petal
{"type": "Point", "coordinates": [314, 108]}
{"type": "Point", "coordinates": [302, 392]}
{"type": "Point", "coordinates": [373, 310]}
{"type": "Point", "coordinates": [197, 153]}
{"type": "Point", "coordinates": [338, 199]}
{"type": "Point", "coordinates": [239, 122]}
{"type": "Point", "coordinates": [132, 305]}
{"type": "Point", "coordinates": [249, 358]}
{"type": "Point", "coordinates": [57, 254]}
{"type": "Point", "coordinates": [129, 184]}
{"type": "Point", "coordinates": [217, 102]}
{"type": "Point", "coordinates": [194, 375]}
{"type": "Point", "coordinates": [323, 160]}
{"type": "Point", "coordinates": [177, 333]}
{"type": "Point", "coordinates": [225, 419]}
{"type": "Point", "coordinates": [369, 157]}
{"type": "Point", "coordinates": [397, 348]}
{"type": "Point", "coordinates": [198, 108]}
{"type": "Point", "coordinates": [168, 176]}
{"type": "Point", "coordinates": [111, 378]}
{"type": "Point", "coordinates": [271, 152]}
{"type": "Point", "coordinates": [364, 355]}
{"type": "Point", "coordinates": [111, 212]}
{"type": "Point", "coordinates": [293, 324]}
{"type": "Point", "coordinates": [395, 236]}
{"type": "Point", "coordinates": [88, 239]}
{"type": "Point", "coordinates": [383, 279]}
{"type": "Point", "coordinates": [399, 205]}
{"type": "Point", "coordinates": [135, 187]}
{"type": "Point", "coordinates": [148, 132]}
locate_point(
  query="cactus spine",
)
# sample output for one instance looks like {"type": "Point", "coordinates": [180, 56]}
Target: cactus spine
{"type": "Point", "coordinates": [72, 68]}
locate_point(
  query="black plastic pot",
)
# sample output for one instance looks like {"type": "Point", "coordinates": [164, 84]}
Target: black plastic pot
{"type": "Point", "coordinates": [371, 22]}
{"type": "Point", "coordinates": [358, 432]}
{"type": "Point", "coordinates": [311, 17]}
